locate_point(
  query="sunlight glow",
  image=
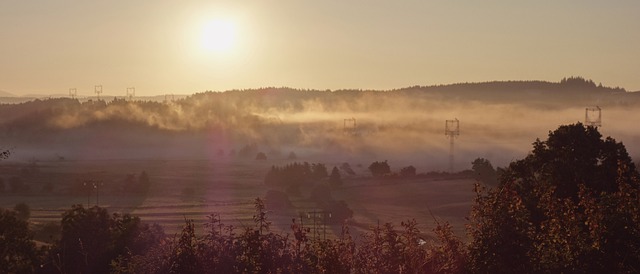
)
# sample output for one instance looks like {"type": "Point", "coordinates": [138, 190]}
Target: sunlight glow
{"type": "Point", "coordinates": [218, 36]}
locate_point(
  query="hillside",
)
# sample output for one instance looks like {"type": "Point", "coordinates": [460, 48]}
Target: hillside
{"type": "Point", "coordinates": [497, 119]}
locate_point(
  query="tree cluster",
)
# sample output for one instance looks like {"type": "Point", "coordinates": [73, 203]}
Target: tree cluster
{"type": "Point", "coordinates": [292, 176]}
{"type": "Point", "coordinates": [91, 239]}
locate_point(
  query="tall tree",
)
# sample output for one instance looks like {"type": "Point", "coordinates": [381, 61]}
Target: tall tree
{"type": "Point", "coordinates": [18, 253]}
{"type": "Point", "coordinates": [335, 179]}
{"type": "Point", "coordinates": [572, 205]}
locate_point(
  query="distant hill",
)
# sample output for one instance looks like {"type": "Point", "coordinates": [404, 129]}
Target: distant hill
{"type": "Point", "coordinates": [493, 115]}
{"type": "Point", "coordinates": [5, 94]}
{"type": "Point", "coordinates": [255, 107]}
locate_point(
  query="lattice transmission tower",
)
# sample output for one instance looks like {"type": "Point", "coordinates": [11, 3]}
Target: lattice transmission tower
{"type": "Point", "coordinates": [98, 90]}
{"type": "Point", "coordinates": [350, 126]}
{"type": "Point", "coordinates": [593, 116]}
{"type": "Point", "coordinates": [131, 92]}
{"type": "Point", "coordinates": [169, 98]}
{"type": "Point", "coordinates": [73, 93]}
{"type": "Point", "coordinates": [452, 130]}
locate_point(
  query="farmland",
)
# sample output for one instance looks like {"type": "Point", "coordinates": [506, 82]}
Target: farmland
{"type": "Point", "coordinates": [194, 189]}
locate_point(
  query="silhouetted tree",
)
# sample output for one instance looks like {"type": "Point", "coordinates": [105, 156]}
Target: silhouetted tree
{"type": "Point", "coordinates": [572, 156]}
{"type": "Point", "coordinates": [91, 239]}
{"type": "Point", "coordinates": [184, 257]}
{"type": "Point", "coordinates": [409, 171]}
{"type": "Point", "coordinates": [23, 211]}
{"type": "Point", "coordinates": [347, 168]}
{"type": "Point", "coordinates": [483, 171]}
{"type": "Point", "coordinates": [319, 171]}
{"type": "Point", "coordinates": [379, 168]}
{"type": "Point", "coordinates": [18, 252]}
{"type": "Point", "coordinates": [335, 179]}
{"type": "Point", "coordinates": [571, 206]}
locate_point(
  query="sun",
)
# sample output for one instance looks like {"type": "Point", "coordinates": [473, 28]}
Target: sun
{"type": "Point", "coordinates": [218, 36]}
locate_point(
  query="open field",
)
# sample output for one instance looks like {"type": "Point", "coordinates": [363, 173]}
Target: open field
{"type": "Point", "coordinates": [193, 189]}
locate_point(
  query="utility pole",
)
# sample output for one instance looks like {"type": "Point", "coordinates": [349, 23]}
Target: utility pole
{"type": "Point", "coordinates": [452, 130]}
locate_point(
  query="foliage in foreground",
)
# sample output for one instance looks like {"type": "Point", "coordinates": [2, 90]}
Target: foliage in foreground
{"type": "Point", "coordinates": [571, 206]}
{"type": "Point", "coordinates": [257, 250]}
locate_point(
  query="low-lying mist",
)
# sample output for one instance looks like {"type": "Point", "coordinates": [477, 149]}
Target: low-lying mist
{"type": "Point", "coordinates": [405, 127]}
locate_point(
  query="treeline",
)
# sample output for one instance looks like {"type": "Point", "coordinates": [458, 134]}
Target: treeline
{"type": "Point", "coordinates": [293, 175]}
{"type": "Point", "coordinates": [237, 109]}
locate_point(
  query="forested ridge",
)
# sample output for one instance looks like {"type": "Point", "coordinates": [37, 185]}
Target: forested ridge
{"type": "Point", "coordinates": [264, 106]}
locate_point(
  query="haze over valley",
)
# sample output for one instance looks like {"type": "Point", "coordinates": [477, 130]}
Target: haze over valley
{"type": "Point", "coordinates": [319, 137]}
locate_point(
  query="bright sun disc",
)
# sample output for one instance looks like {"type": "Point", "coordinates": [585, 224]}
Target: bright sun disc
{"type": "Point", "coordinates": [218, 36]}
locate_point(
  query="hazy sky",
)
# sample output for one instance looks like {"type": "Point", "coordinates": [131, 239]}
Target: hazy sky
{"type": "Point", "coordinates": [49, 46]}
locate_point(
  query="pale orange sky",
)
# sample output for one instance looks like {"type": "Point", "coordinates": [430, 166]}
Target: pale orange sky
{"type": "Point", "coordinates": [49, 46]}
